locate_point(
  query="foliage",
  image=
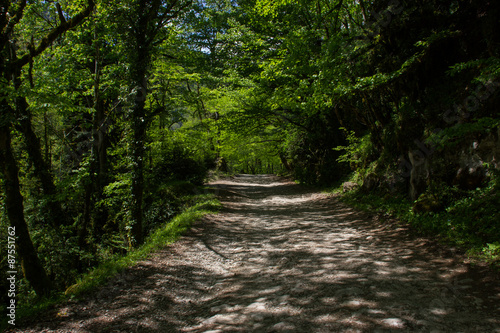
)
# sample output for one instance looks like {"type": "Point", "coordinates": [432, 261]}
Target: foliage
{"type": "Point", "coordinates": [468, 219]}
{"type": "Point", "coordinates": [460, 132]}
{"type": "Point", "coordinates": [79, 96]}
{"type": "Point", "coordinates": [109, 123]}
{"type": "Point", "coordinates": [178, 162]}
{"type": "Point", "coordinates": [357, 152]}
{"type": "Point", "coordinates": [200, 205]}
{"type": "Point", "coordinates": [158, 239]}
{"type": "Point", "coordinates": [491, 252]}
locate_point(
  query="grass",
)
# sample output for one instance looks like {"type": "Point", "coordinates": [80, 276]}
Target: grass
{"type": "Point", "coordinates": [162, 237]}
{"type": "Point", "coordinates": [202, 205]}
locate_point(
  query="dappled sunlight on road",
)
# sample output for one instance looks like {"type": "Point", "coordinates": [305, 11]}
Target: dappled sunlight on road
{"type": "Point", "coordinates": [301, 261]}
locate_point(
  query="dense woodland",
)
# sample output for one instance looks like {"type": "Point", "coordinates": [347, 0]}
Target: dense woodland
{"type": "Point", "coordinates": [113, 112]}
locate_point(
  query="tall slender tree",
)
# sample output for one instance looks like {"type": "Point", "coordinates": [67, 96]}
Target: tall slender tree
{"type": "Point", "coordinates": [147, 22]}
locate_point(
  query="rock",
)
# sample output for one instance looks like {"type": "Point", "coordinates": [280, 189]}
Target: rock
{"type": "Point", "coordinates": [472, 172]}
{"type": "Point", "coordinates": [393, 183]}
{"type": "Point", "coordinates": [419, 173]}
{"type": "Point", "coordinates": [470, 178]}
{"type": "Point", "coordinates": [488, 149]}
{"type": "Point", "coordinates": [370, 182]}
{"type": "Point", "coordinates": [349, 186]}
{"type": "Point", "coordinates": [427, 203]}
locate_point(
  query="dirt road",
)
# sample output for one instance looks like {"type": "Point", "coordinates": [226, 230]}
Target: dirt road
{"type": "Point", "coordinates": [283, 258]}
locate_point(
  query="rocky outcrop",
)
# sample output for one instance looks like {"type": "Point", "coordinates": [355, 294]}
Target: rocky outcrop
{"type": "Point", "coordinates": [488, 149]}
{"type": "Point", "coordinates": [419, 174]}
{"type": "Point", "coordinates": [474, 160]}
{"type": "Point", "coordinates": [467, 165]}
{"type": "Point", "coordinates": [349, 186]}
{"type": "Point", "coordinates": [370, 182]}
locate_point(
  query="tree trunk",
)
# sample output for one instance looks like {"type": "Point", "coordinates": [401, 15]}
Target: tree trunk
{"type": "Point", "coordinates": [34, 149]}
{"type": "Point", "coordinates": [284, 162]}
{"type": "Point", "coordinates": [87, 208]}
{"type": "Point", "coordinates": [30, 263]}
{"type": "Point", "coordinates": [9, 71]}
{"type": "Point", "coordinates": [139, 77]}
{"type": "Point", "coordinates": [42, 169]}
{"type": "Point", "coordinates": [97, 166]}
{"type": "Point", "coordinates": [149, 16]}
{"type": "Point", "coordinates": [99, 146]}
{"type": "Point", "coordinates": [139, 131]}
{"type": "Point", "coordinates": [48, 158]}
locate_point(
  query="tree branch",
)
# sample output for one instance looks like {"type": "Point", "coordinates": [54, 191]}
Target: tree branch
{"type": "Point", "coordinates": [4, 38]}
{"type": "Point", "coordinates": [58, 31]}
{"type": "Point", "coordinates": [60, 13]}
{"type": "Point", "coordinates": [274, 112]}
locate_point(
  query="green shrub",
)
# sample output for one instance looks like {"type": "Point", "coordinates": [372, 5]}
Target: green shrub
{"type": "Point", "coordinates": [178, 163]}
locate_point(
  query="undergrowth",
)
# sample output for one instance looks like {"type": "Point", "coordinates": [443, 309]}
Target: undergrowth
{"type": "Point", "coordinates": [469, 220]}
{"type": "Point", "coordinates": [200, 205]}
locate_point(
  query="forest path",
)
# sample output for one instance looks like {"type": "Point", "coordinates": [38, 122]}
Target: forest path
{"type": "Point", "coordinates": [283, 258]}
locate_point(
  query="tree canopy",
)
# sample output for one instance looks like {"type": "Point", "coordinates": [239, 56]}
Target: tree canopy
{"type": "Point", "coordinates": [112, 111]}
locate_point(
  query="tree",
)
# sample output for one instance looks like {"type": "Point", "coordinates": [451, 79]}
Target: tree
{"type": "Point", "coordinates": [10, 67]}
{"type": "Point", "coordinates": [147, 21]}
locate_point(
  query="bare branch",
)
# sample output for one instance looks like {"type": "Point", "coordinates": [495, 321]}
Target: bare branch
{"type": "Point", "coordinates": [60, 13]}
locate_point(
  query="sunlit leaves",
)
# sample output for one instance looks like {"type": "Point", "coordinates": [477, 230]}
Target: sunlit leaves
{"type": "Point", "coordinates": [270, 7]}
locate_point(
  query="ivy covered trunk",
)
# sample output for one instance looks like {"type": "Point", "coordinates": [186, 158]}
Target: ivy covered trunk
{"type": "Point", "coordinates": [140, 59]}
{"type": "Point", "coordinates": [139, 133]}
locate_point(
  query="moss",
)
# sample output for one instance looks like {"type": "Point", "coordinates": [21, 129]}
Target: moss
{"type": "Point", "coordinates": [427, 203]}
